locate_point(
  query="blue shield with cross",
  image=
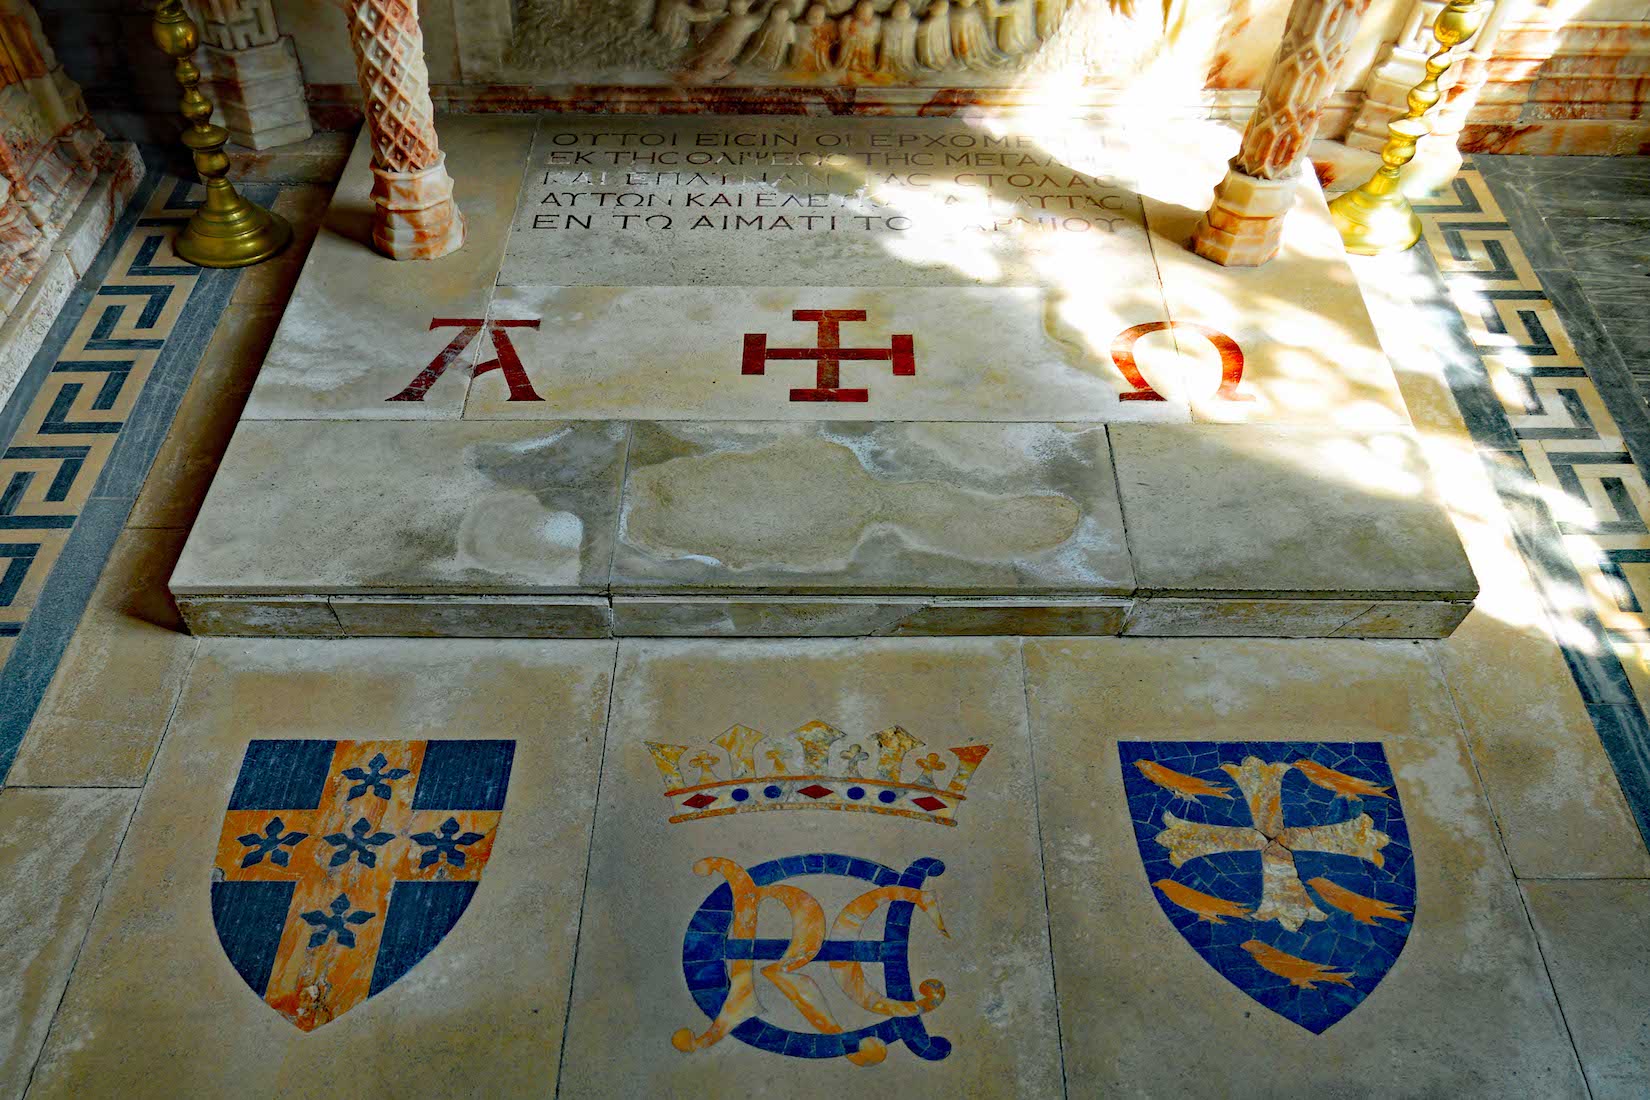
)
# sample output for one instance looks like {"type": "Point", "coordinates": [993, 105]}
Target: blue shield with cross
{"type": "Point", "coordinates": [1285, 864]}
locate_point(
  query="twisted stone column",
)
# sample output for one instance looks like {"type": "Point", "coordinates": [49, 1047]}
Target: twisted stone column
{"type": "Point", "coordinates": [1245, 225]}
{"type": "Point", "coordinates": [414, 216]}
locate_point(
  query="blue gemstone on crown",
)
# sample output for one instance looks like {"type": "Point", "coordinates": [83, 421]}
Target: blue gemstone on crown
{"type": "Point", "coordinates": [740, 794]}
{"type": "Point", "coordinates": [856, 793]}
{"type": "Point", "coordinates": [887, 796]}
{"type": "Point", "coordinates": [772, 790]}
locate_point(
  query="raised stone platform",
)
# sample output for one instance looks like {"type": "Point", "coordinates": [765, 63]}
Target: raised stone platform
{"type": "Point", "coordinates": [823, 376]}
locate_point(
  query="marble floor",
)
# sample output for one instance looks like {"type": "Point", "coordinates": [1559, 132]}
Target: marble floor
{"type": "Point", "coordinates": [1145, 866]}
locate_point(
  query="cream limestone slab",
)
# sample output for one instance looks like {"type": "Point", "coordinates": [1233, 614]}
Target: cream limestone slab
{"type": "Point", "coordinates": [155, 1008]}
{"type": "Point", "coordinates": [1276, 510]}
{"type": "Point", "coordinates": [357, 329]}
{"type": "Point", "coordinates": [1310, 353]}
{"type": "Point", "coordinates": [979, 353]}
{"type": "Point", "coordinates": [630, 996]}
{"type": "Point", "coordinates": [56, 847]}
{"type": "Point", "coordinates": [336, 507]}
{"type": "Point", "coordinates": [116, 684]}
{"type": "Point", "coordinates": [989, 509]}
{"type": "Point", "coordinates": [854, 616]}
{"type": "Point", "coordinates": [1466, 1009]}
{"type": "Point", "coordinates": [765, 201]}
{"type": "Point", "coordinates": [1555, 795]}
{"type": "Point", "coordinates": [181, 473]}
{"type": "Point", "coordinates": [1593, 937]}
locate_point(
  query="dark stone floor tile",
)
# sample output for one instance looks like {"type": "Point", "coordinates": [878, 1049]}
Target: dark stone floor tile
{"type": "Point", "coordinates": [1605, 244]}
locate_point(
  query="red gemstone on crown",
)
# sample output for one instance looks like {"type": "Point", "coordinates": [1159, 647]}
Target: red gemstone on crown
{"type": "Point", "coordinates": [814, 790]}
{"type": "Point", "coordinates": [699, 801]}
{"type": "Point", "coordinates": [929, 803]}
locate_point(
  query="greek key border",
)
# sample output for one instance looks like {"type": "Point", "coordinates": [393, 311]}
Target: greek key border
{"type": "Point", "coordinates": [1559, 432]}
{"type": "Point", "coordinates": [79, 433]}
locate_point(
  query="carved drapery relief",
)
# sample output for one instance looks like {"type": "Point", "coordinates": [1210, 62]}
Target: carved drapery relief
{"type": "Point", "coordinates": [54, 165]}
{"type": "Point", "coordinates": [881, 41]}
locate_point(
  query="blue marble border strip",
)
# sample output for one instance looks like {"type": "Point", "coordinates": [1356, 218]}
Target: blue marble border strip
{"type": "Point", "coordinates": [51, 621]}
{"type": "Point", "coordinates": [1487, 265]}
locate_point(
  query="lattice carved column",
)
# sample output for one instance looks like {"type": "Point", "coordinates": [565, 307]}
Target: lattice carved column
{"type": "Point", "coordinates": [252, 73]}
{"type": "Point", "coordinates": [1245, 225]}
{"type": "Point", "coordinates": [414, 216]}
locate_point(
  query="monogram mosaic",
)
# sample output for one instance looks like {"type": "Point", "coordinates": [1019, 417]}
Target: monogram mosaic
{"type": "Point", "coordinates": [848, 941]}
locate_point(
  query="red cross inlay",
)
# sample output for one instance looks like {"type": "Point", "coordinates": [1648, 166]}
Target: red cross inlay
{"type": "Point", "coordinates": [829, 355]}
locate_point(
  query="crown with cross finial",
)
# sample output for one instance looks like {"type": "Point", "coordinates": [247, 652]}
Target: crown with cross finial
{"type": "Point", "coordinates": [816, 767]}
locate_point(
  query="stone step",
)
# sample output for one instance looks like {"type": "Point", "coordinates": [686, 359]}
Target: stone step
{"type": "Point", "coordinates": [586, 529]}
{"type": "Point", "coordinates": [894, 395]}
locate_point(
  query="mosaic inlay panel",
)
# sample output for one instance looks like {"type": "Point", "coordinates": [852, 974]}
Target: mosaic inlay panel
{"type": "Point", "coordinates": [341, 864]}
{"type": "Point", "coordinates": [1285, 865]}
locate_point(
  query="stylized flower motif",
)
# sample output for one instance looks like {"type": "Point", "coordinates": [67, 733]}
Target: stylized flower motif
{"type": "Point", "coordinates": [359, 844]}
{"type": "Point", "coordinates": [929, 765]}
{"type": "Point", "coordinates": [446, 845]}
{"type": "Point", "coordinates": [273, 843]}
{"type": "Point", "coordinates": [336, 923]}
{"type": "Point", "coordinates": [376, 777]}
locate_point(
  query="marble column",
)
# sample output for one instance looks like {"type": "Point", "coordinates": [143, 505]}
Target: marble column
{"type": "Point", "coordinates": [1245, 225]}
{"type": "Point", "coordinates": [414, 215]}
{"type": "Point", "coordinates": [251, 72]}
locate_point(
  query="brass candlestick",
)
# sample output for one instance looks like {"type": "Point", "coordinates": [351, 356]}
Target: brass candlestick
{"type": "Point", "coordinates": [228, 230]}
{"type": "Point", "coordinates": [1376, 218]}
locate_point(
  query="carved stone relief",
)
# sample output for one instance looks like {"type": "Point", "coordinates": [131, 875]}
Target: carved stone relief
{"type": "Point", "coordinates": [852, 41]}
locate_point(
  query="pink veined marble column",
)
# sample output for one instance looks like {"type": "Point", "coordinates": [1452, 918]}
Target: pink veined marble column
{"type": "Point", "coordinates": [1245, 225]}
{"type": "Point", "coordinates": [414, 216]}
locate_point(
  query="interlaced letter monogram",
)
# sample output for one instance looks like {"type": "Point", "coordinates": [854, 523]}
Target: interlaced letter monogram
{"type": "Point", "coordinates": [721, 955]}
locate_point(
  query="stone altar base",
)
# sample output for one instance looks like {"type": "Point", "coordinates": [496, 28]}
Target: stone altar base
{"type": "Point", "coordinates": [822, 376]}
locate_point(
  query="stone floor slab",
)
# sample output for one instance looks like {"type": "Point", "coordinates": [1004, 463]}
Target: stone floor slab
{"type": "Point", "coordinates": [1466, 1009]}
{"type": "Point", "coordinates": [890, 202]}
{"type": "Point", "coordinates": [680, 353]}
{"type": "Point", "coordinates": [56, 848]}
{"type": "Point", "coordinates": [155, 1006]}
{"type": "Point", "coordinates": [480, 508]}
{"type": "Point", "coordinates": [1310, 353]}
{"type": "Point", "coordinates": [1593, 937]}
{"type": "Point", "coordinates": [357, 319]}
{"type": "Point", "coordinates": [1248, 510]}
{"type": "Point", "coordinates": [794, 728]}
{"type": "Point", "coordinates": [101, 719]}
{"type": "Point", "coordinates": [1010, 509]}
{"type": "Point", "coordinates": [1556, 798]}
